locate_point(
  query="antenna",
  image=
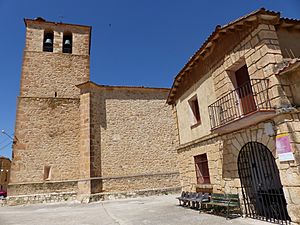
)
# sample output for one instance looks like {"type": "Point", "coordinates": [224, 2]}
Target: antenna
{"type": "Point", "coordinates": [287, 52]}
{"type": "Point", "coordinates": [13, 139]}
{"type": "Point", "coordinates": [292, 53]}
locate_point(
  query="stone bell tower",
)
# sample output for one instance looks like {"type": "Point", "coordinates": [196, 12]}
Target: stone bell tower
{"type": "Point", "coordinates": [47, 131]}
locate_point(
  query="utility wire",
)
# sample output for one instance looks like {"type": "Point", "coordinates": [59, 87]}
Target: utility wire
{"type": "Point", "coordinates": [4, 141]}
{"type": "Point", "coordinates": [3, 147]}
{"type": "Point", "coordinates": [6, 138]}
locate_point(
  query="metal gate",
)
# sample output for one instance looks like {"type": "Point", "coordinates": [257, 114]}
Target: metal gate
{"type": "Point", "coordinates": [261, 186]}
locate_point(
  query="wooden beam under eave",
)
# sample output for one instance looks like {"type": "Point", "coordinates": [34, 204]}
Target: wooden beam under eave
{"type": "Point", "coordinates": [222, 32]}
{"type": "Point", "coordinates": [239, 27]}
{"type": "Point", "coordinates": [203, 53]}
{"type": "Point", "coordinates": [286, 25]}
{"type": "Point", "coordinates": [248, 24]}
{"type": "Point", "coordinates": [231, 29]}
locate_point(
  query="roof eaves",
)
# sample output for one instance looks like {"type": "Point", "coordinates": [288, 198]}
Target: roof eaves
{"type": "Point", "coordinates": [91, 84]}
{"type": "Point", "coordinates": [290, 66]}
{"type": "Point", "coordinates": [217, 30]}
{"type": "Point", "coordinates": [55, 23]}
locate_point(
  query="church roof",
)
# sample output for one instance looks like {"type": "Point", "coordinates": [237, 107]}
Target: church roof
{"type": "Point", "coordinates": [91, 84]}
{"type": "Point", "coordinates": [40, 20]}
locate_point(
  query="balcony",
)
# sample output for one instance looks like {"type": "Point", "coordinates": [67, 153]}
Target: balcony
{"type": "Point", "coordinates": [242, 107]}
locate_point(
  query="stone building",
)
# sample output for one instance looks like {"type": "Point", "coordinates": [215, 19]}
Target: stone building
{"type": "Point", "coordinates": [4, 172]}
{"type": "Point", "coordinates": [238, 111]}
{"type": "Point", "coordinates": [76, 139]}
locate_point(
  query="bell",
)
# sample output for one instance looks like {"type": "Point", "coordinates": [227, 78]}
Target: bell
{"type": "Point", "coordinates": [67, 42]}
{"type": "Point", "coordinates": [48, 41]}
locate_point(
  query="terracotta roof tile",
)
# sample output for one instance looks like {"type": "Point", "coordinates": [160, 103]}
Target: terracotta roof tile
{"type": "Point", "coordinates": [289, 66]}
{"type": "Point", "coordinates": [93, 84]}
{"type": "Point", "coordinates": [214, 35]}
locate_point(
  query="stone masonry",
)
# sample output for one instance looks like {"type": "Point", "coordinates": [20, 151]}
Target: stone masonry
{"type": "Point", "coordinates": [47, 122]}
{"type": "Point", "coordinates": [263, 42]}
{"type": "Point", "coordinates": [124, 123]}
{"type": "Point", "coordinates": [4, 172]}
{"type": "Point", "coordinates": [77, 138]}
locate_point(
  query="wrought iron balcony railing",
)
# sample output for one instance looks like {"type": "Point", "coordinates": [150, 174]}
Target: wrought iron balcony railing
{"type": "Point", "coordinates": [251, 97]}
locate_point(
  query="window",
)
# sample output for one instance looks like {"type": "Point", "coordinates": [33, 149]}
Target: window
{"type": "Point", "coordinates": [201, 166]}
{"type": "Point", "coordinates": [194, 106]}
{"type": "Point", "coordinates": [67, 43]}
{"type": "Point", "coordinates": [47, 172]}
{"type": "Point", "coordinates": [48, 41]}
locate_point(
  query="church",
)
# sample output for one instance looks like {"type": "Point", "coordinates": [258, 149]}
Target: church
{"type": "Point", "coordinates": [74, 138]}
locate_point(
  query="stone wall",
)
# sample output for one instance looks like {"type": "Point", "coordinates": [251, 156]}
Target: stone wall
{"type": "Point", "coordinates": [47, 134]}
{"type": "Point", "coordinates": [290, 171]}
{"type": "Point", "coordinates": [223, 151]}
{"type": "Point", "coordinates": [47, 131]}
{"type": "Point", "coordinates": [44, 73]}
{"type": "Point", "coordinates": [261, 52]}
{"type": "Point", "coordinates": [212, 147]}
{"type": "Point", "coordinates": [188, 130]}
{"type": "Point", "coordinates": [4, 172]}
{"type": "Point", "coordinates": [133, 132]}
{"type": "Point", "coordinates": [141, 181]}
{"type": "Point", "coordinates": [84, 186]}
{"type": "Point", "coordinates": [35, 36]}
{"type": "Point", "coordinates": [39, 188]}
{"type": "Point", "coordinates": [73, 197]}
{"type": "Point", "coordinates": [40, 198]}
{"type": "Point", "coordinates": [260, 47]}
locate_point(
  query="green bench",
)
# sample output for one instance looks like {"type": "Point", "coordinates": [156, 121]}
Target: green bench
{"type": "Point", "coordinates": [225, 200]}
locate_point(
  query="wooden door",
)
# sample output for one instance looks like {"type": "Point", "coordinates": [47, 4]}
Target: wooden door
{"type": "Point", "coordinates": [244, 90]}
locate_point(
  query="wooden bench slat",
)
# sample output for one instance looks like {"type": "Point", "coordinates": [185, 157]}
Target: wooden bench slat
{"type": "Point", "coordinates": [226, 200]}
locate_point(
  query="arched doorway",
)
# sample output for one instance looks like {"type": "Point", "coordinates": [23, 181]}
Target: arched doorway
{"type": "Point", "coordinates": [261, 186]}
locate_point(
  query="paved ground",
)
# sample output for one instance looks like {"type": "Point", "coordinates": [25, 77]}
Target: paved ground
{"type": "Point", "coordinates": [160, 210]}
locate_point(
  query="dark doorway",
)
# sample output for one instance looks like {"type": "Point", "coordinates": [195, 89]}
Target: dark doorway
{"type": "Point", "coordinates": [244, 90]}
{"type": "Point", "coordinates": [261, 186]}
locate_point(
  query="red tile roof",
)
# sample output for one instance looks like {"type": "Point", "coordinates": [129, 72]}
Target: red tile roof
{"type": "Point", "coordinates": [290, 66]}
{"type": "Point", "coordinates": [265, 14]}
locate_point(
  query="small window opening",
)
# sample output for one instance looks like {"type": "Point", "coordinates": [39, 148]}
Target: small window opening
{"type": "Point", "coordinates": [55, 94]}
{"type": "Point", "coordinates": [47, 172]}
{"type": "Point", "coordinates": [48, 42]}
{"type": "Point", "coordinates": [194, 105]}
{"type": "Point", "coordinates": [67, 43]}
{"type": "Point", "coordinates": [202, 171]}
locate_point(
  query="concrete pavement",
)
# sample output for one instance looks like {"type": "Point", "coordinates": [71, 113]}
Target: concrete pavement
{"type": "Point", "coordinates": [136, 211]}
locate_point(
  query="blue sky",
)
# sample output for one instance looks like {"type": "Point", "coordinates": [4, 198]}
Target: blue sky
{"type": "Point", "coordinates": [134, 42]}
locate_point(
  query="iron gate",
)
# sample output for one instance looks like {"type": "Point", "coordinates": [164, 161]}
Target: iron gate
{"type": "Point", "coordinates": [261, 186]}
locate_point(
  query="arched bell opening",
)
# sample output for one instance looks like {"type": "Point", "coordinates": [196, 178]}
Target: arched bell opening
{"type": "Point", "coordinates": [48, 41]}
{"type": "Point", "coordinates": [67, 42]}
